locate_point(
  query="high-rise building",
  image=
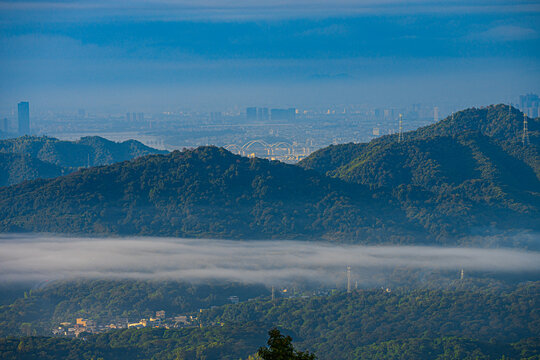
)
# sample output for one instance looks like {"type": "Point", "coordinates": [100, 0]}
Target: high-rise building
{"type": "Point", "coordinates": [283, 114]}
{"type": "Point", "coordinates": [128, 117]}
{"type": "Point", "coordinates": [216, 116]}
{"type": "Point", "coordinates": [530, 105]}
{"type": "Point", "coordinates": [23, 109]}
{"type": "Point", "coordinates": [435, 114]}
{"type": "Point", "coordinates": [5, 125]}
{"type": "Point", "coordinates": [141, 116]}
{"type": "Point", "coordinates": [251, 114]}
{"type": "Point", "coordinates": [263, 114]}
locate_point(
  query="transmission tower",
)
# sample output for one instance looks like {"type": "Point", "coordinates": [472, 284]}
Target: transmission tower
{"type": "Point", "coordinates": [348, 279]}
{"type": "Point", "coordinates": [400, 135]}
{"type": "Point", "coordinates": [525, 137]}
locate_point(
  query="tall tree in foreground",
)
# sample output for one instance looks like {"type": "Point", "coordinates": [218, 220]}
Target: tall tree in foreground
{"type": "Point", "coordinates": [280, 348]}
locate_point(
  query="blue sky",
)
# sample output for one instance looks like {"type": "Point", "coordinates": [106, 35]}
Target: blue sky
{"type": "Point", "coordinates": [211, 55]}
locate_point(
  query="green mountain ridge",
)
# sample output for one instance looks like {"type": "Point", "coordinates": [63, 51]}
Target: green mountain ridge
{"type": "Point", "coordinates": [470, 166]}
{"type": "Point", "coordinates": [63, 157]}
{"type": "Point", "coordinates": [469, 171]}
{"type": "Point", "coordinates": [203, 192]}
{"type": "Point", "coordinates": [16, 168]}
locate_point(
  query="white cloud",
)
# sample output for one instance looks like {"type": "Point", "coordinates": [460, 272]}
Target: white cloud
{"type": "Point", "coordinates": [506, 33]}
{"type": "Point", "coordinates": [266, 8]}
{"type": "Point", "coordinates": [46, 257]}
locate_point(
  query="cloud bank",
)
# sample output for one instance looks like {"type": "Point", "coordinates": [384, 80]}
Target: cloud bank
{"type": "Point", "coordinates": [46, 257]}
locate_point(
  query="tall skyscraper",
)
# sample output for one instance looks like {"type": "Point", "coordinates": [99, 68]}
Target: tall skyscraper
{"type": "Point", "coordinates": [251, 114]}
{"type": "Point", "coordinates": [5, 125]}
{"type": "Point", "coordinates": [263, 114]}
{"type": "Point", "coordinates": [23, 109]}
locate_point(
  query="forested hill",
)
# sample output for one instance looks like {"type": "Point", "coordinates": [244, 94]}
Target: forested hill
{"type": "Point", "coordinates": [88, 151]}
{"type": "Point", "coordinates": [204, 192]}
{"type": "Point", "coordinates": [472, 166]}
{"type": "Point", "coordinates": [15, 168]}
{"type": "Point", "coordinates": [466, 173]}
{"type": "Point", "coordinates": [501, 123]}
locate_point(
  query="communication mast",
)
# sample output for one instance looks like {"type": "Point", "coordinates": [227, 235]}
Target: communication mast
{"type": "Point", "coordinates": [525, 137]}
{"type": "Point", "coordinates": [400, 135]}
{"type": "Point", "coordinates": [348, 279]}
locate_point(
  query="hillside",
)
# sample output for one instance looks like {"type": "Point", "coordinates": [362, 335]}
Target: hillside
{"type": "Point", "coordinates": [439, 186]}
{"type": "Point", "coordinates": [501, 123]}
{"type": "Point", "coordinates": [88, 151]}
{"type": "Point", "coordinates": [206, 192]}
{"type": "Point", "coordinates": [16, 168]}
{"type": "Point", "coordinates": [459, 323]}
{"type": "Point", "coordinates": [469, 167]}
{"type": "Point", "coordinates": [343, 326]}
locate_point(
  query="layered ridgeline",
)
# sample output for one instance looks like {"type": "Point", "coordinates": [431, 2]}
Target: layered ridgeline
{"type": "Point", "coordinates": [468, 174]}
{"type": "Point", "coordinates": [469, 171]}
{"type": "Point", "coordinates": [205, 192]}
{"type": "Point", "coordinates": [30, 157]}
{"type": "Point", "coordinates": [16, 168]}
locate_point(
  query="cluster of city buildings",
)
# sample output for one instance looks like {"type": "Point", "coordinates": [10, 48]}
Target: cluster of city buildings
{"type": "Point", "coordinates": [23, 120]}
{"type": "Point", "coordinates": [265, 114]}
{"type": "Point", "coordinates": [530, 105]}
{"type": "Point", "coordinates": [83, 325]}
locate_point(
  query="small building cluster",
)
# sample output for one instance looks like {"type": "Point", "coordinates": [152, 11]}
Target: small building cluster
{"type": "Point", "coordinates": [83, 325]}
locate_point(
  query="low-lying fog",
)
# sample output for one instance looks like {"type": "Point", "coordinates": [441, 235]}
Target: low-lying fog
{"type": "Point", "coordinates": [48, 257]}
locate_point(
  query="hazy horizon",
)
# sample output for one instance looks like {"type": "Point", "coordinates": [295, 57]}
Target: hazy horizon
{"type": "Point", "coordinates": [166, 55]}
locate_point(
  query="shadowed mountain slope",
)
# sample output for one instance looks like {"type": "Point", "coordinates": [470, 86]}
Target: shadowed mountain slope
{"type": "Point", "coordinates": [88, 151]}
{"type": "Point", "coordinates": [15, 168]}
{"type": "Point", "coordinates": [469, 170]}
{"type": "Point", "coordinates": [203, 192]}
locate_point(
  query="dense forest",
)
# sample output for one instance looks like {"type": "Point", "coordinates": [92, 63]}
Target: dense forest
{"type": "Point", "coordinates": [470, 168]}
{"type": "Point", "coordinates": [37, 311]}
{"type": "Point", "coordinates": [31, 157]}
{"type": "Point", "coordinates": [16, 168]}
{"type": "Point", "coordinates": [467, 172]}
{"type": "Point", "coordinates": [205, 192]}
{"type": "Point", "coordinates": [464, 322]}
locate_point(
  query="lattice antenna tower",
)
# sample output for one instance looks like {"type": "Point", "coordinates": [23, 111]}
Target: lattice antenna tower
{"type": "Point", "coordinates": [400, 134]}
{"type": "Point", "coordinates": [348, 279]}
{"type": "Point", "coordinates": [525, 136]}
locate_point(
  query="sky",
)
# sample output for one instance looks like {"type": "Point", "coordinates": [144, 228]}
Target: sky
{"type": "Point", "coordinates": [166, 55]}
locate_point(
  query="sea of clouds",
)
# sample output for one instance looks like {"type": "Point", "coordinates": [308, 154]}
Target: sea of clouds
{"type": "Point", "coordinates": [37, 257]}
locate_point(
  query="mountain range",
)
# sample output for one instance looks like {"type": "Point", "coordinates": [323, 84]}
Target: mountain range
{"type": "Point", "coordinates": [467, 174]}
{"type": "Point", "coordinates": [31, 157]}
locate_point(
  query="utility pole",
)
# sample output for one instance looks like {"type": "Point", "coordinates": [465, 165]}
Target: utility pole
{"type": "Point", "coordinates": [525, 136]}
{"type": "Point", "coordinates": [348, 279]}
{"type": "Point", "coordinates": [400, 135]}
